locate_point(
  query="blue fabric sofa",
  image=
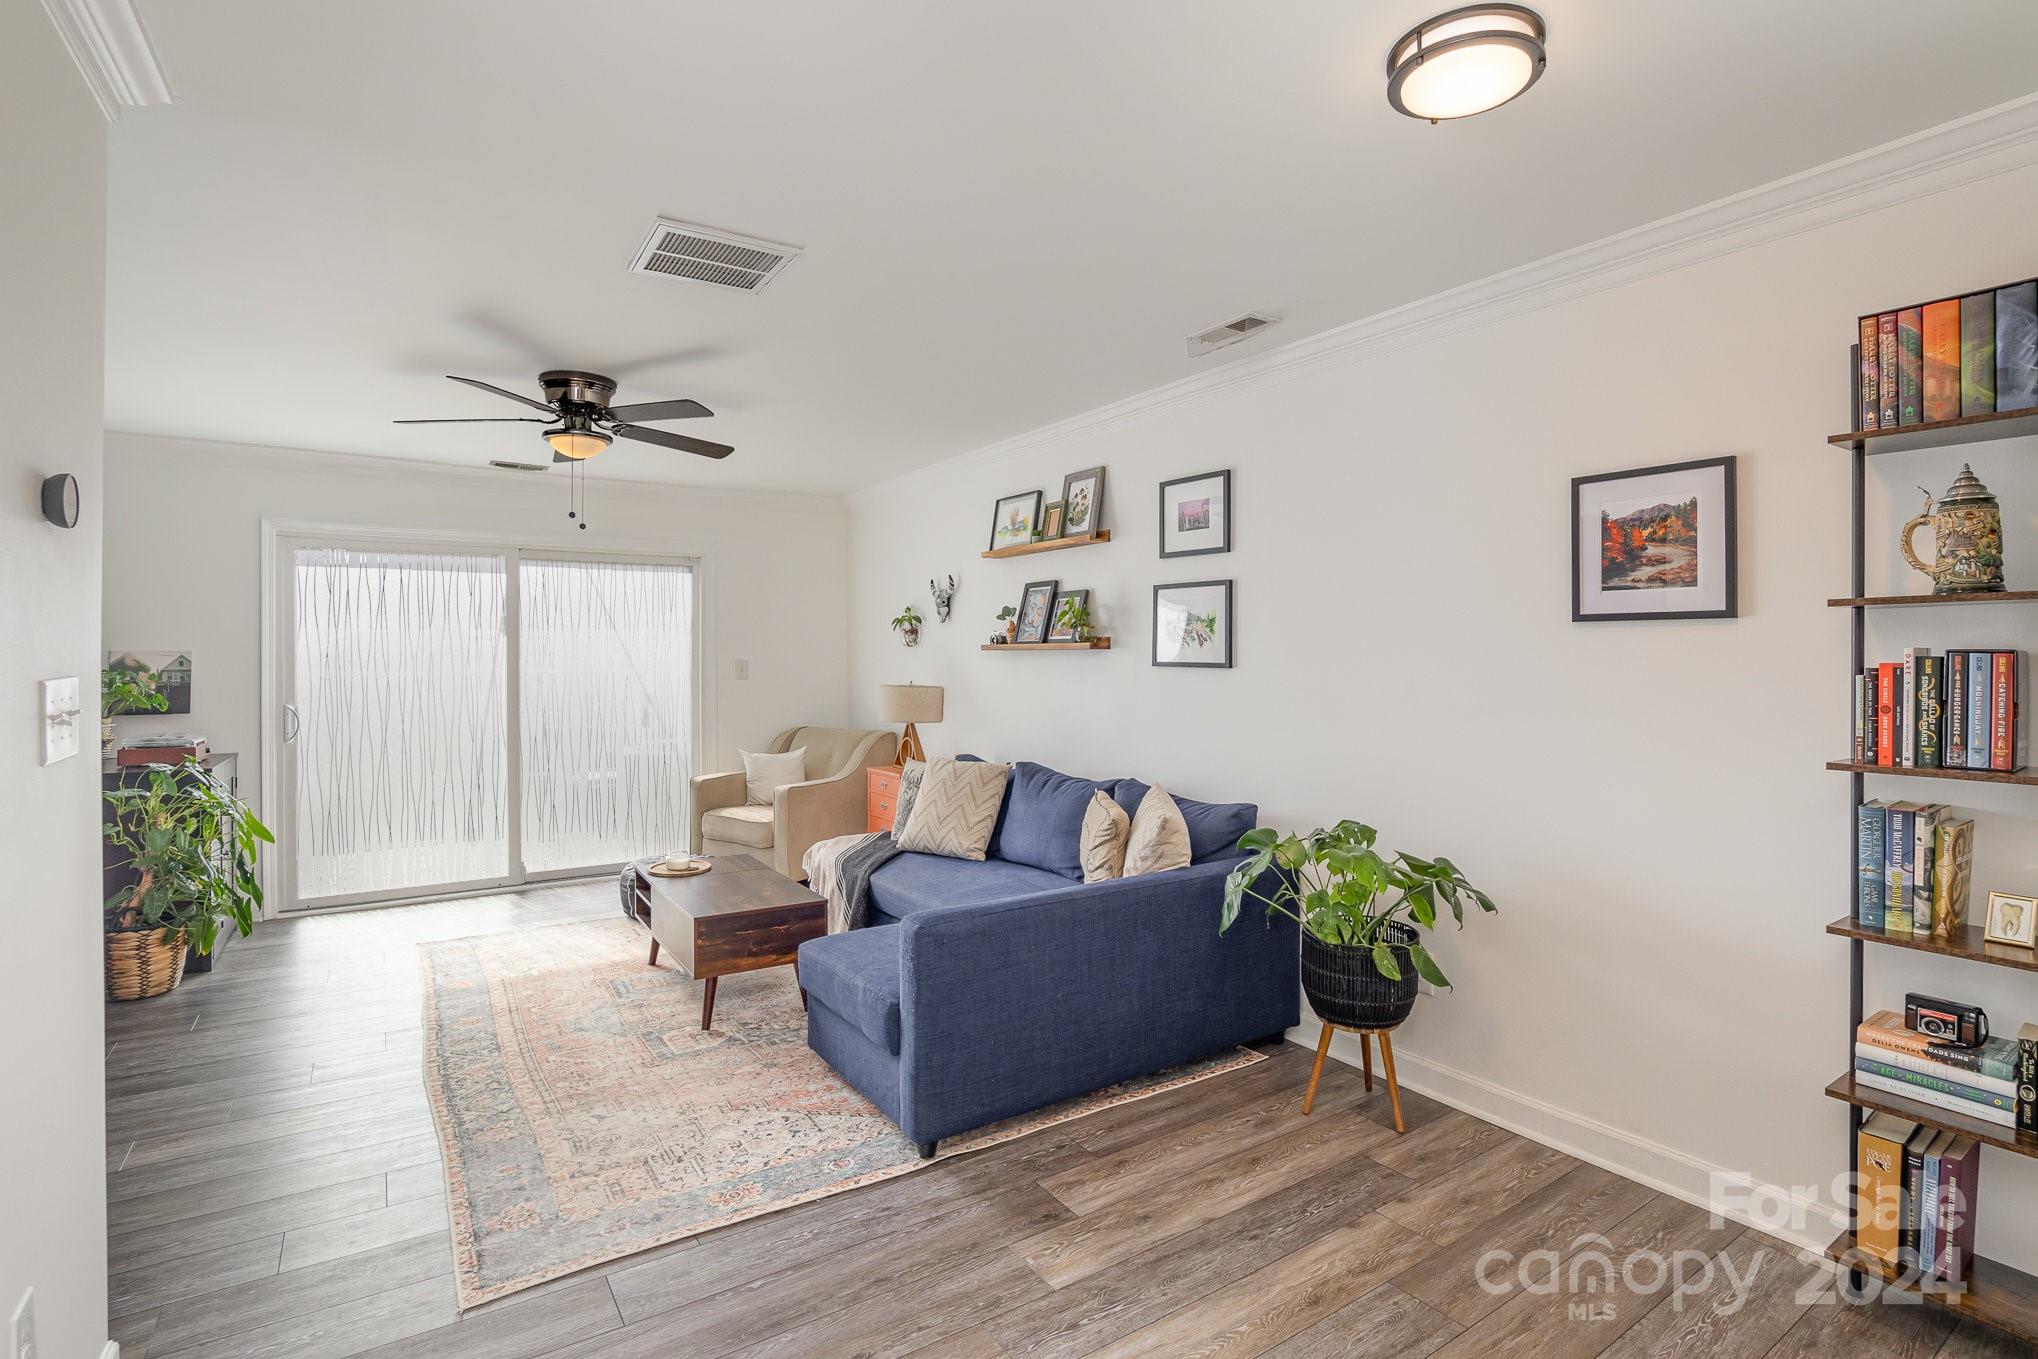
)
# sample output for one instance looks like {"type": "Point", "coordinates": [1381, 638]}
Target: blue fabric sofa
{"type": "Point", "coordinates": [984, 990]}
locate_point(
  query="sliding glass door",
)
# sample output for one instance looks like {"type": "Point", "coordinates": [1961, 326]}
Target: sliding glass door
{"type": "Point", "coordinates": [457, 719]}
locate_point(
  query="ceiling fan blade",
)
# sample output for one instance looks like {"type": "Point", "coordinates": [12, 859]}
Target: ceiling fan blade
{"type": "Point", "coordinates": [678, 441]}
{"type": "Point", "coordinates": [484, 420]}
{"type": "Point", "coordinates": [659, 410]}
{"type": "Point", "coordinates": [491, 387]}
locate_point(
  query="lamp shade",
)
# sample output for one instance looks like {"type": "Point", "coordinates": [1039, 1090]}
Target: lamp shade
{"type": "Point", "coordinates": [909, 703]}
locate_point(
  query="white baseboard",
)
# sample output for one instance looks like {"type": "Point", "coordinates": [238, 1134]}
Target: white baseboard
{"type": "Point", "coordinates": [1664, 1169]}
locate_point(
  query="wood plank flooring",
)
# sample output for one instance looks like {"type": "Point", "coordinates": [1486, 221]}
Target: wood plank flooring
{"type": "Point", "coordinates": [275, 1190]}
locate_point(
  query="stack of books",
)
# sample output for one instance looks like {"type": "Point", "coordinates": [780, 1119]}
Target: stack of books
{"type": "Point", "coordinates": [1959, 356]}
{"type": "Point", "coordinates": [1978, 1082]}
{"type": "Point", "coordinates": [1963, 710]}
{"type": "Point", "coordinates": [1915, 1198]}
{"type": "Point", "coordinates": [1914, 865]}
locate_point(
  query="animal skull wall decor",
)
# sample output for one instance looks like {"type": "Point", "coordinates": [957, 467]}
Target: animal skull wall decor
{"type": "Point", "coordinates": [943, 597]}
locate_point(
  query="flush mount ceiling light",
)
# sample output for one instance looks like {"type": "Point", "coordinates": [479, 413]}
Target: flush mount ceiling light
{"type": "Point", "coordinates": [1465, 61]}
{"type": "Point", "coordinates": [576, 439]}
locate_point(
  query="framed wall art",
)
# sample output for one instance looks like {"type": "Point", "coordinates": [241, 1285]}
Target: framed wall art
{"type": "Point", "coordinates": [1196, 515]}
{"type": "Point", "coordinates": [1192, 624]}
{"type": "Point", "coordinates": [1036, 610]}
{"type": "Point", "coordinates": [1654, 542]}
{"type": "Point", "coordinates": [1082, 496]}
{"type": "Point", "coordinates": [1014, 520]}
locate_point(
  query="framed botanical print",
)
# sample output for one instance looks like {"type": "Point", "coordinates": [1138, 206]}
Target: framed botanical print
{"type": "Point", "coordinates": [1055, 631]}
{"type": "Point", "coordinates": [1036, 610]}
{"type": "Point", "coordinates": [1014, 520]}
{"type": "Point", "coordinates": [1655, 542]}
{"type": "Point", "coordinates": [1196, 515]}
{"type": "Point", "coordinates": [1082, 494]}
{"type": "Point", "coordinates": [1192, 624]}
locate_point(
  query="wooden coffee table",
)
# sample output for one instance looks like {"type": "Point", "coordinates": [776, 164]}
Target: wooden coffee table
{"type": "Point", "coordinates": [737, 917]}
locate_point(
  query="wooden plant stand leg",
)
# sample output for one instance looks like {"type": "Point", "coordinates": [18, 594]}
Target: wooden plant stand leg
{"type": "Point", "coordinates": [708, 1004]}
{"type": "Point", "coordinates": [1316, 1072]}
{"type": "Point", "coordinates": [1366, 1056]}
{"type": "Point", "coordinates": [1393, 1086]}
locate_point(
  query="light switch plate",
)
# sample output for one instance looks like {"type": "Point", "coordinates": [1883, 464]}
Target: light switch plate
{"type": "Point", "coordinates": [742, 670]}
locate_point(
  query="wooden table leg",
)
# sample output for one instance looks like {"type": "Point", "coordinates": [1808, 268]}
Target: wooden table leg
{"type": "Point", "coordinates": [796, 981]}
{"type": "Point", "coordinates": [1316, 1072]}
{"type": "Point", "coordinates": [1393, 1086]}
{"type": "Point", "coordinates": [708, 1004]}
{"type": "Point", "coordinates": [1366, 1057]}
{"type": "Point", "coordinates": [654, 950]}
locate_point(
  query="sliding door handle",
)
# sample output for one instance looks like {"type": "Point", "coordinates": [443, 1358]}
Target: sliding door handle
{"type": "Point", "coordinates": [291, 722]}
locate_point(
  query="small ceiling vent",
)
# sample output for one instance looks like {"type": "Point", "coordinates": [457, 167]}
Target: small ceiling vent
{"type": "Point", "coordinates": [1231, 332]}
{"type": "Point", "coordinates": [517, 466]}
{"type": "Point", "coordinates": [703, 255]}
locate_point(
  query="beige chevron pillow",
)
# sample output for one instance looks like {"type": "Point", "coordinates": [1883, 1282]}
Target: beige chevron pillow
{"type": "Point", "coordinates": [1159, 839]}
{"type": "Point", "coordinates": [1105, 831]}
{"type": "Point", "coordinates": [956, 810]}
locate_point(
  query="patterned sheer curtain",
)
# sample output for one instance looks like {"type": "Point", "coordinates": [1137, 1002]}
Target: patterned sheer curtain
{"type": "Point", "coordinates": [606, 666]}
{"type": "Point", "coordinates": [402, 748]}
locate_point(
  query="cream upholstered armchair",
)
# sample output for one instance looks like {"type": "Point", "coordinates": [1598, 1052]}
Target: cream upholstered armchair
{"type": "Point", "coordinates": [830, 802]}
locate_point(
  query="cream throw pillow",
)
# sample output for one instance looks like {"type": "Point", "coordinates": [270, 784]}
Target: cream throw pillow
{"type": "Point", "coordinates": [1105, 832]}
{"type": "Point", "coordinates": [1159, 839]}
{"type": "Point", "coordinates": [909, 792]}
{"type": "Point", "coordinates": [956, 810]}
{"type": "Point", "coordinates": [764, 775]}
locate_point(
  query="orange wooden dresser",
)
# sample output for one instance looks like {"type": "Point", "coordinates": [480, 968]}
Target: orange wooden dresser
{"type": "Point", "coordinates": [883, 797]}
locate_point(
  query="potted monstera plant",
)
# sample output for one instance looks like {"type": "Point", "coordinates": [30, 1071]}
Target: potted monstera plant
{"type": "Point", "coordinates": [1362, 913]}
{"type": "Point", "coordinates": [192, 846]}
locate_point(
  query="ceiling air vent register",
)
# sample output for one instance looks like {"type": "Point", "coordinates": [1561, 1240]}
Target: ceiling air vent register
{"type": "Point", "coordinates": [1231, 332]}
{"type": "Point", "coordinates": [720, 259]}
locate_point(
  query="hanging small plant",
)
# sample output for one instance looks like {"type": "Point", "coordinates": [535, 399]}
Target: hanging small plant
{"type": "Point", "coordinates": [907, 625]}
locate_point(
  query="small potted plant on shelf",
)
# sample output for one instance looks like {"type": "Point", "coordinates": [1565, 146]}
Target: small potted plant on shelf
{"type": "Point", "coordinates": [1074, 615]}
{"type": "Point", "coordinates": [1009, 616]}
{"type": "Point", "coordinates": [124, 691]}
{"type": "Point", "coordinates": [907, 625]}
{"type": "Point", "coordinates": [1361, 911]}
{"type": "Point", "coordinates": [192, 845]}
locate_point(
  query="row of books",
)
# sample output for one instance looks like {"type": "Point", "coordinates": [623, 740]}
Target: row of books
{"type": "Point", "coordinates": [1914, 864]}
{"type": "Point", "coordinates": [1978, 1082]}
{"type": "Point", "coordinates": [1915, 1197]}
{"type": "Point", "coordinates": [1970, 355]}
{"type": "Point", "coordinates": [1962, 710]}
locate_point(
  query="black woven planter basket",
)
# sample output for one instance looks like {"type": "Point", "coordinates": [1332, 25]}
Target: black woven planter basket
{"type": "Point", "coordinates": [1344, 988]}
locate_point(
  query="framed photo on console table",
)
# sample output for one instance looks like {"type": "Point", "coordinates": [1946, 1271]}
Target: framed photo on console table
{"type": "Point", "coordinates": [1192, 624]}
{"type": "Point", "coordinates": [1196, 515]}
{"type": "Point", "coordinates": [1655, 542]}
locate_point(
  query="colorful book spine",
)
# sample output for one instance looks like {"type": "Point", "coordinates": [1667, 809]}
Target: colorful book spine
{"type": "Point", "coordinates": [1928, 1202]}
{"type": "Point", "coordinates": [1980, 687]}
{"type": "Point", "coordinates": [1871, 826]}
{"type": "Point", "coordinates": [1930, 710]}
{"type": "Point", "coordinates": [1907, 707]}
{"type": "Point", "coordinates": [1942, 360]}
{"type": "Point", "coordinates": [1896, 865]}
{"type": "Point", "coordinates": [1869, 753]}
{"type": "Point", "coordinates": [2017, 346]}
{"type": "Point", "coordinates": [1938, 1099]}
{"type": "Point", "coordinates": [1914, 1174]}
{"type": "Point", "coordinates": [1959, 1178]}
{"type": "Point", "coordinates": [1871, 376]}
{"type": "Point", "coordinates": [1922, 867]}
{"type": "Point", "coordinates": [1885, 713]}
{"type": "Point", "coordinates": [1878, 1187]}
{"type": "Point", "coordinates": [1862, 708]}
{"type": "Point", "coordinates": [1885, 370]}
{"type": "Point", "coordinates": [2002, 749]}
{"type": "Point", "coordinates": [1952, 876]}
{"type": "Point", "coordinates": [1954, 755]}
{"type": "Point", "coordinates": [1997, 1058]}
{"type": "Point", "coordinates": [2027, 1079]}
{"type": "Point", "coordinates": [1978, 354]}
{"type": "Point", "coordinates": [1864, 1050]}
{"type": "Point", "coordinates": [1910, 366]}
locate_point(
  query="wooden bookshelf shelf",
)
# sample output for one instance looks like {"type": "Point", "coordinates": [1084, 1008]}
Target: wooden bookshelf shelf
{"type": "Point", "coordinates": [1969, 429]}
{"type": "Point", "coordinates": [1968, 943]}
{"type": "Point", "coordinates": [1094, 644]}
{"type": "Point", "coordinates": [1905, 771]}
{"type": "Point", "coordinates": [1850, 1091]}
{"type": "Point", "coordinates": [1896, 601]}
{"type": "Point", "coordinates": [1050, 545]}
{"type": "Point", "coordinates": [1993, 1295]}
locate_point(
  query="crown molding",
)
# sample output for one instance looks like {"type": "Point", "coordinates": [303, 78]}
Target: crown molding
{"type": "Point", "coordinates": [1992, 142]}
{"type": "Point", "coordinates": [111, 46]}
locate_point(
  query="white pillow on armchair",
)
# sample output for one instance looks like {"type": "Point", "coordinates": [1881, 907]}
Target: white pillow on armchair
{"type": "Point", "coordinates": [764, 774]}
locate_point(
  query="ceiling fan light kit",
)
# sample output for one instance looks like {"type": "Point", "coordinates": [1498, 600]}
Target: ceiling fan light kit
{"type": "Point", "coordinates": [1466, 61]}
{"type": "Point", "coordinates": [583, 423]}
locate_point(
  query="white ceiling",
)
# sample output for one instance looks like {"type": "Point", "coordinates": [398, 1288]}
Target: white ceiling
{"type": "Point", "coordinates": [1012, 212]}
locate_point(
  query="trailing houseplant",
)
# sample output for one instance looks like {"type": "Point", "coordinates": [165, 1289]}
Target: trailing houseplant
{"type": "Point", "coordinates": [123, 691]}
{"type": "Point", "coordinates": [1074, 615]}
{"type": "Point", "coordinates": [192, 845]}
{"type": "Point", "coordinates": [1361, 911]}
{"type": "Point", "coordinates": [907, 625]}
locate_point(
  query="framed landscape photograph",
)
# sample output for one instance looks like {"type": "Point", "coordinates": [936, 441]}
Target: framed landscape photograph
{"type": "Point", "coordinates": [1082, 495]}
{"type": "Point", "coordinates": [1192, 624]}
{"type": "Point", "coordinates": [1036, 610]}
{"type": "Point", "coordinates": [1654, 542]}
{"type": "Point", "coordinates": [1196, 515]}
{"type": "Point", "coordinates": [1013, 522]}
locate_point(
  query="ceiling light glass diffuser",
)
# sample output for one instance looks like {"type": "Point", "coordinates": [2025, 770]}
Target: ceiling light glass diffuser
{"type": "Point", "coordinates": [576, 443]}
{"type": "Point", "coordinates": [1465, 61]}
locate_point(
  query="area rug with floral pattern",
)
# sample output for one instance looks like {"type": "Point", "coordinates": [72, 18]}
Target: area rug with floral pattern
{"type": "Point", "coordinates": [584, 1115]}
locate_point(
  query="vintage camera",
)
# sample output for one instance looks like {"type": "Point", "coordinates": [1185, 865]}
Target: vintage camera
{"type": "Point", "coordinates": [1946, 1021]}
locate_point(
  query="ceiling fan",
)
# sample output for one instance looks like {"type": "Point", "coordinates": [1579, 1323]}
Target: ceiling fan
{"type": "Point", "coordinates": [577, 405]}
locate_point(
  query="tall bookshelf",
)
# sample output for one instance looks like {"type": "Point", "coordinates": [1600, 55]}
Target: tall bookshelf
{"type": "Point", "coordinates": [1994, 1295]}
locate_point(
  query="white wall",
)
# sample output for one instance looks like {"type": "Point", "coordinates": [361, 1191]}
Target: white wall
{"type": "Point", "coordinates": [183, 558]}
{"type": "Point", "coordinates": [1645, 800]}
{"type": "Point", "coordinates": [52, 1034]}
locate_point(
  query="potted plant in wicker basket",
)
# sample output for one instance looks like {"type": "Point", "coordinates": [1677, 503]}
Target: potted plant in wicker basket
{"type": "Point", "coordinates": [192, 846]}
{"type": "Point", "coordinates": [1362, 913]}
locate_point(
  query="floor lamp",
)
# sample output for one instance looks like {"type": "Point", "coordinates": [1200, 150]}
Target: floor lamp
{"type": "Point", "coordinates": [910, 703]}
